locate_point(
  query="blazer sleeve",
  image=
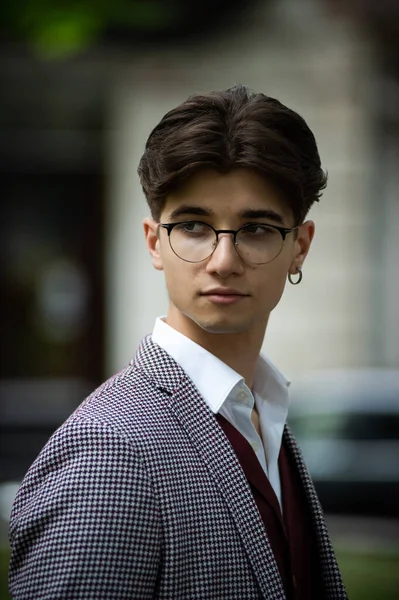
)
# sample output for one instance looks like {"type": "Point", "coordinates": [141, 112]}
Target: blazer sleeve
{"type": "Point", "coordinates": [85, 523]}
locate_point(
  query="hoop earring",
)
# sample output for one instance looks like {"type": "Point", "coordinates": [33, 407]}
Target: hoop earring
{"type": "Point", "coordinates": [300, 275]}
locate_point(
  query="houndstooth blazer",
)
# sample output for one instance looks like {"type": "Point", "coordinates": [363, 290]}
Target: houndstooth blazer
{"type": "Point", "coordinates": [139, 495]}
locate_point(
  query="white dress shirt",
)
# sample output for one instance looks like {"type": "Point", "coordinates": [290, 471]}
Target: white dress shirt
{"type": "Point", "coordinates": [226, 393]}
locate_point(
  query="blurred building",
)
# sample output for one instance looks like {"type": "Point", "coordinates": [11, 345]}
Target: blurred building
{"type": "Point", "coordinates": [78, 289]}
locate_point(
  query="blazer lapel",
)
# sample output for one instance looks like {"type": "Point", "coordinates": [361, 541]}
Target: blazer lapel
{"type": "Point", "coordinates": [211, 443]}
{"type": "Point", "coordinates": [333, 585]}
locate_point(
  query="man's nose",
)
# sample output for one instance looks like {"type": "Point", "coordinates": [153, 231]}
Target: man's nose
{"type": "Point", "coordinates": [225, 259]}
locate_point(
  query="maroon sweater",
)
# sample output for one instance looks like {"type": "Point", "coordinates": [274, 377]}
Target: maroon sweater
{"type": "Point", "coordinates": [291, 536]}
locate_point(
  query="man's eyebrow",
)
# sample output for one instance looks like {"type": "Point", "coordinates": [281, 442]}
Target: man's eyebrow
{"type": "Point", "coordinates": [268, 214]}
{"type": "Point", "coordinates": [188, 209]}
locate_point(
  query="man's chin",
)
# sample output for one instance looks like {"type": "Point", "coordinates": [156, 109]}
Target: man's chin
{"type": "Point", "coordinates": [222, 326]}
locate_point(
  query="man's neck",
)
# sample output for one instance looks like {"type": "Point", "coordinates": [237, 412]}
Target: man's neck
{"type": "Point", "coordinates": [240, 351]}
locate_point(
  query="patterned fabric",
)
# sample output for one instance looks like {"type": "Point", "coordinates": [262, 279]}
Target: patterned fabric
{"type": "Point", "coordinates": [139, 495]}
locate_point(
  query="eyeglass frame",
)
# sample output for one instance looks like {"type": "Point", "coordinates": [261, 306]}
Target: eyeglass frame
{"type": "Point", "coordinates": [283, 231]}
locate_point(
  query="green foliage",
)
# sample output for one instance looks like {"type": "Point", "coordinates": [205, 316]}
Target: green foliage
{"type": "Point", "coordinates": [4, 560]}
{"type": "Point", "coordinates": [370, 576]}
{"type": "Point", "coordinates": [59, 30]}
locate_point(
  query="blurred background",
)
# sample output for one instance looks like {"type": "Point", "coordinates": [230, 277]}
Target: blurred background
{"type": "Point", "coordinates": [81, 86]}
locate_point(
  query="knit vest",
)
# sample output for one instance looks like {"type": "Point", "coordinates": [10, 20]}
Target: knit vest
{"type": "Point", "coordinates": [291, 536]}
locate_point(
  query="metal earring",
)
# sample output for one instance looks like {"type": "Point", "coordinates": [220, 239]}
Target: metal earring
{"type": "Point", "coordinates": [300, 275]}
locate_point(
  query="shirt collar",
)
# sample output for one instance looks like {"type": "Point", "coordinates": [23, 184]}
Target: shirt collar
{"type": "Point", "coordinates": [214, 379]}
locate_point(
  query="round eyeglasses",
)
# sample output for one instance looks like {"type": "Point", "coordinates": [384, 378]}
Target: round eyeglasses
{"type": "Point", "coordinates": [256, 244]}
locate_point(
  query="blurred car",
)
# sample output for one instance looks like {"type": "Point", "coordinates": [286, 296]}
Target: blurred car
{"type": "Point", "coordinates": [347, 425]}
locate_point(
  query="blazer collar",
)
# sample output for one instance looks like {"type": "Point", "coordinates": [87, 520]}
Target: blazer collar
{"type": "Point", "coordinates": [158, 366]}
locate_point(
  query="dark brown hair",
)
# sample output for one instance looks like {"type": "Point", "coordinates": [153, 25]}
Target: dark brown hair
{"type": "Point", "coordinates": [228, 130]}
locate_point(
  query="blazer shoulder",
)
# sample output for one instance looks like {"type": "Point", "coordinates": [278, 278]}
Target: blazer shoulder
{"type": "Point", "coordinates": [128, 402]}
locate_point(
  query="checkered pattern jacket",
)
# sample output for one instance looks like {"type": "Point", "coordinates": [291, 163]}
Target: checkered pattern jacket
{"type": "Point", "coordinates": [139, 495]}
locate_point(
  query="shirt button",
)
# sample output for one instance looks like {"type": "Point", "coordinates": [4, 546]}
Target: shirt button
{"type": "Point", "coordinates": [242, 395]}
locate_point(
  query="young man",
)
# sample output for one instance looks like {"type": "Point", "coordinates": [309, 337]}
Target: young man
{"type": "Point", "coordinates": [178, 478]}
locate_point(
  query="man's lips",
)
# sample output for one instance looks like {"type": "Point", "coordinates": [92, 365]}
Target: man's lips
{"type": "Point", "coordinates": [223, 295]}
{"type": "Point", "coordinates": [222, 292]}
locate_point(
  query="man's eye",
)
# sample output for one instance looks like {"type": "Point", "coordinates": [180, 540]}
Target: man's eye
{"type": "Point", "coordinates": [258, 229]}
{"type": "Point", "coordinates": [193, 227]}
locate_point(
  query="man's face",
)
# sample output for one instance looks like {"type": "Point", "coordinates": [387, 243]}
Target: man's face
{"type": "Point", "coordinates": [224, 294]}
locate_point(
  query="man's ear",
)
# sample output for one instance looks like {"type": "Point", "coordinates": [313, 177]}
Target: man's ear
{"type": "Point", "coordinates": [152, 240]}
{"type": "Point", "coordinates": [302, 244]}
